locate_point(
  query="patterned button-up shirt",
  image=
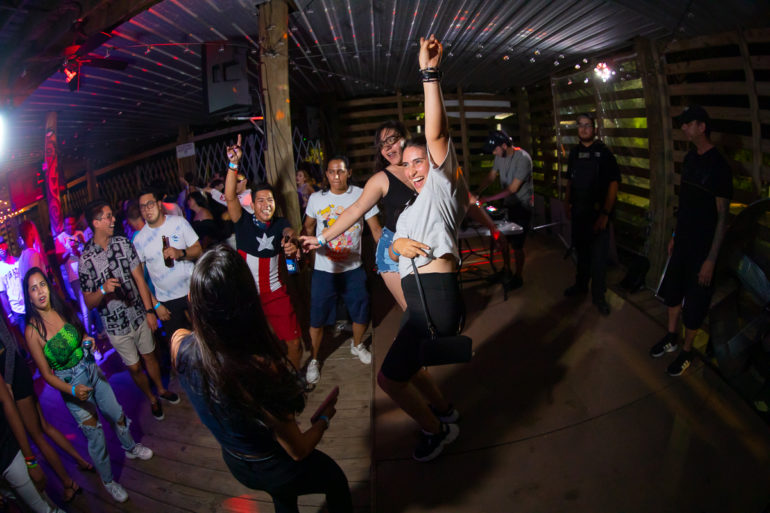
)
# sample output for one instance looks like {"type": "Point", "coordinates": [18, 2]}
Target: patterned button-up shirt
{"type": "Point", "coordinates": [96, 265]}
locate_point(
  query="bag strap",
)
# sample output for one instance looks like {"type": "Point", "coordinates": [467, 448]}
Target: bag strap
{"type": "Point", "coordinates": [431, 326]}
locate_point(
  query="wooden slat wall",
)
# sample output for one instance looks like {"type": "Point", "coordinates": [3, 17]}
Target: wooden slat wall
{"type": "Point", "coordinates": [621, 116]}
{"type": "Point", "coordinates": [542, 133]}
{"type": "Point", "coordinates": [729, 75]}
{"type": "Point", "coordinates": [360, 118]}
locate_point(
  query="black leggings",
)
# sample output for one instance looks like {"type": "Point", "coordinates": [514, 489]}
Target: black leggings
{"type": "Point", "coordinates": [442, 294]}
{"type": "Point", "coordinates": [285, 480]}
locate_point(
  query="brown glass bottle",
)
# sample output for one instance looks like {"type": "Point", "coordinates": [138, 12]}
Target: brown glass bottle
{"type": "Point", "coordinates": [167, 260]}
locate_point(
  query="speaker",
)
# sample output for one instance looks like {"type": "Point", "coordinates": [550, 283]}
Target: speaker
{"type": "Point", "coordinates": [225, 81]}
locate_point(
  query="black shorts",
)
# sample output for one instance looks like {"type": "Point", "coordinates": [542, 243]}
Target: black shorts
{"type": "Point", "coordinates": [21, 382]}
{"type": "Point", "coordinates": [442, 293]}
{"type": "Point", "coordinates": [680, 285]}
{"type": "Point", "coordinates": [522, 216]}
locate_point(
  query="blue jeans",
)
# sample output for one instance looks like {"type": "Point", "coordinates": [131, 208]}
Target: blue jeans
{"type": "Point", "coordinates": [86, 372]}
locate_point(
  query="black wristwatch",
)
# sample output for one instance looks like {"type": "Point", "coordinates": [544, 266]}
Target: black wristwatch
{"type": "Point", "coordinates": [184, 254]}
{"type": "Point", "coordinates": [151, 311]}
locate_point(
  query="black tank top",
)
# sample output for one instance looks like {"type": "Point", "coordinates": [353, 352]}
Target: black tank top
{"type": "Point", "coordinates": [393, 202]}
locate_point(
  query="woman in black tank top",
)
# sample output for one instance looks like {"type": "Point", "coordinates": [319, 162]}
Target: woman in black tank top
{"type": "Point", "coordinates": [391, 186]}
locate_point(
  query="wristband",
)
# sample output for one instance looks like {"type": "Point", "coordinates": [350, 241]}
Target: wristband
{"type": "Point", "coordinates": [157, 305]}
{"type": "Point", "coordinates": [73, 391]}
{"type": "Point", "coordinates": [232, 165]}
{"type": "Point", "coordinates": [31, 462]}
{"type": "Point", "coordinates": [325, 419]}
{"type": "Point", "coordinates": [101, 288]}
{"type": "Point", "coordinates": [322, 240]}
{"type": "Point", "coordinates": [393, 249]}
{"type": "Point", "coordinates": [430, 74]}
{"type": "Point", "coordinates": [30, 458]}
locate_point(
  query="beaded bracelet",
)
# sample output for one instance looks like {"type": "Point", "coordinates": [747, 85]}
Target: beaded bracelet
{"type": "Point", "coordinates": [31, 462]}
{"type": "Point", "coordinates": [430, 74]}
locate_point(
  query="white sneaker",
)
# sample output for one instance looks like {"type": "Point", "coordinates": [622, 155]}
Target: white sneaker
{"type": "Point", "coordinates": [313, 372]}
{"type": "Point", "coordinates": [118, 492]}
{"type": "Point", "coordinates": [362, 352]}
{"type": "Point", "coordinates": [139, 451]}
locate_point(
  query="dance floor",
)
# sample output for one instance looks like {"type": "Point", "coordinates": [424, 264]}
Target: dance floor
{"type": "Point", "coordinates": [562, 410]}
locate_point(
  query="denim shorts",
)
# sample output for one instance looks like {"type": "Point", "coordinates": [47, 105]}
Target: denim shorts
{"type": "Point", "coordinates": [385, 264]}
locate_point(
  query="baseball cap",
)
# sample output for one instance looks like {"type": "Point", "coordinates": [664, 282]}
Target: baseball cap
{"type": "Point", "coordinates": [693, 113]}
{"type": "Point", "coordinates": [495, 139]}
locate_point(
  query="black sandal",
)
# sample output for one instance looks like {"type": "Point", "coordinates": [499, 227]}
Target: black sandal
{"type": "Point", "coordinates": [76, 489]}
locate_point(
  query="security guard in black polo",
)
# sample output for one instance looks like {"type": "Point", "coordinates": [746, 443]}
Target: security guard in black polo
{"type": "Point", "coordinates": [592, 187]}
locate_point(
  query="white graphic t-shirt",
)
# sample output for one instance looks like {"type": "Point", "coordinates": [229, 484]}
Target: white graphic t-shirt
{"type": "Point", "coordinates": [10, 283]}
{"type": "Point", "coordinates": [342, 253]}
{"type": "Point", "coordinates": [170, 282]}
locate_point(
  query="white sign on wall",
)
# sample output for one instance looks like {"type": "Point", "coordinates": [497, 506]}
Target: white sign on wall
{"type": "Point", "coordinates": [185, 150]}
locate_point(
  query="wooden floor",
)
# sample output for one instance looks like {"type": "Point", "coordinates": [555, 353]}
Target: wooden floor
{"type": "Point", "coordinates": [563, 410]}
{"type": "Point", "coordinates": [187, 472]}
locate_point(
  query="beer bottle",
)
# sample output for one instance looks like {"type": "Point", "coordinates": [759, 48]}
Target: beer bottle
{"type": "Point", "coordinates": [167, 260]}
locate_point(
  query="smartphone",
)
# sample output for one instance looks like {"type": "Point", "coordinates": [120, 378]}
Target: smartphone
{"type": "Point", "coordinates": [329, 399]}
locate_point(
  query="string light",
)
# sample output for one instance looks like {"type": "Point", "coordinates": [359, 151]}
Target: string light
{"type": "Point", "coordinates": [603, 71]}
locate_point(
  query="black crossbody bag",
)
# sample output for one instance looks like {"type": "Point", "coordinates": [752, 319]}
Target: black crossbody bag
{"type": "Point", "coordinates": [441, 350]}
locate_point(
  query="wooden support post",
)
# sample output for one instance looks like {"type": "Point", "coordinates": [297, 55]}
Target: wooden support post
{"type": "Point", "coordinates": [464, 132]}
{"type": "Point", "coordinates": [400, 106]}
{"type": "Point", "coordinates": [756, 127]}
{"type": "Point", "coordinates": [279, 154]}
{"type": "Point", "coordinates": [91, 181]}
{"type": "Point", "coordinates": [185, 164]}
{"type": "Point", "coordinates": [51, 167]}
{"type": "Point", "coordinates": [659, 133]}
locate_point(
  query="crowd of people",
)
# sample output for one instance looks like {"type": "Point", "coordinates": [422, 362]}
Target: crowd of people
{"type": "Point", "coordinates": [206, 276]}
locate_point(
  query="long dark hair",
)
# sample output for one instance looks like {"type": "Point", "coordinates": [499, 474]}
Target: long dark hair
{"type": "Point", "coordinates": [243, 364]}
{"type": "Point", "coordinates": [381, 162]}
{"type": "Point", "coordinates": [60, 306]}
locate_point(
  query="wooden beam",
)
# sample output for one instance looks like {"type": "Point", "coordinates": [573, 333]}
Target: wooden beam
{"type": "Point", "coordinates": [661, 173]}
{"type": "Point", "coordinates": [185, 164]}
{"type": "Point", "coordinates": [279, 152]}
{"type": "Point", "coordinates": [91, 181]}
{"type": "Point", "coordinates": [756, 126]}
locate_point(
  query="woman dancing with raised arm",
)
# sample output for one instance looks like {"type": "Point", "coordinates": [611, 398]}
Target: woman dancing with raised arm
{"type": "Point", "coordinates": [246, 392]}
{"type": "Point", "coordinates": [427, 232]}
{"type": "Point", "coordinates": [55, 339]}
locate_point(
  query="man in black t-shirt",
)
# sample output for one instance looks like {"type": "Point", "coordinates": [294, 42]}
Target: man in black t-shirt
{"type": "Point", "coordinates": [591, 190]}
{"type": "Point", "coordinates": [704, 198]}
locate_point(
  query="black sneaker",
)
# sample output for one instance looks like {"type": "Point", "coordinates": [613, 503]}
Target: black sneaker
{"type": "Point", "coordinates": [450, 416]}
{"type": "Point", "coordinates": [431, 445]}
{"type": "Point", "coordinates": [512, 282]}
{"type": "Point", "coordinates": [681, 363]}
{"type": "Point", "coordinates": [575, 290]}
{"type": "Point", "coordinates": [667, 344]}
{"type": "Point", "coordinates": [170, 396]}
{"type": "Point", "coordinates": [157, 411]}
{"type": "Point", "coordinates": [603, 307]}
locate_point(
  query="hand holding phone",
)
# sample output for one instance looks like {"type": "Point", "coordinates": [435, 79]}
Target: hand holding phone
{"type": "Point", "coordinates": [327, 407]}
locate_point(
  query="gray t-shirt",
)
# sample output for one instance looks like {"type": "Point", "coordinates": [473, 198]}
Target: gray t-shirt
{"type": "Point", "coordinates": [436, 212]}
{"type": "Point", "coordinates": [518, 165]}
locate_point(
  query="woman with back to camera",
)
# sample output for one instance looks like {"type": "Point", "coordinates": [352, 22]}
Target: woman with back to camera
{"type": "Point", "coordinates": [427, 232]}
{"type": "Point", "coordinates": [245, 391]}
{"type": "Point", "coordinates": [56, 338]}
{"type": "Point", "coordinates": [390, 185]}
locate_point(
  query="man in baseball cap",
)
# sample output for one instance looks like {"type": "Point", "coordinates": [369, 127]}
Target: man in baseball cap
{"type": "Point", "coordinates": [694, 113]}
{"type": "Point", "coordinates": [514, 166]}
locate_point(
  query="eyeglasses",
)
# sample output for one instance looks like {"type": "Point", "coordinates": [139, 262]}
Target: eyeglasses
{"type": "Point", "coordinates": [147, 206]}
{"type": "Point", "coordinates": [390, 141]}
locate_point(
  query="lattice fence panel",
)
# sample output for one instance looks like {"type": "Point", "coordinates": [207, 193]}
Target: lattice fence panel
{"type": "Point", "coordinates": [211, 157]}
{"type": "Point", "coordinates": [75, 199]}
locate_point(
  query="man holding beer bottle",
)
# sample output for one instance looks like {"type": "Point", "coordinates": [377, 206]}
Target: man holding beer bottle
{"type": "Point", "coordinates": [167, 245]}
{"type": "Point", "coordinates": [112, 280]}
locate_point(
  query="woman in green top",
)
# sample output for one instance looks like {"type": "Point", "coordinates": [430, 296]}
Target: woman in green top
{"type": "Point", "coordinates": [56, 338]}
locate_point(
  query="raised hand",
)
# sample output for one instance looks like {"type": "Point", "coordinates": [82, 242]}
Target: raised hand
{"type": "Point", "coordinates": [235, 153]}
{"type": "Point", "coordinates": [430, 52]}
